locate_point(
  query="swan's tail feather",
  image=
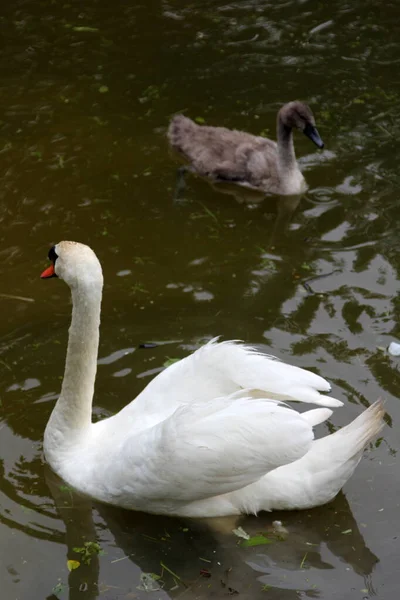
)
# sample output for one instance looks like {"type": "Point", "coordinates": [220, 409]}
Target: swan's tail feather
{"type": "Point", "coordinates": [359, 433]}
{"type": "Point", "coordinates": [319, 475]}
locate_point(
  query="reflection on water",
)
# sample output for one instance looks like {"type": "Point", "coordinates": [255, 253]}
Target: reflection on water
{"type": "Point", "coordinates": [86, 94]}
{"type": "Point", "coordinates": [199, 560]}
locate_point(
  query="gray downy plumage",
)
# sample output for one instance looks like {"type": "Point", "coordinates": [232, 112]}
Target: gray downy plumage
{"type": "Point", "coordinates": [252, 161]}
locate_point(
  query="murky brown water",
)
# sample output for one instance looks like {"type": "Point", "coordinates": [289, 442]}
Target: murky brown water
{"type": "Point", "coordinates": [83, 156]}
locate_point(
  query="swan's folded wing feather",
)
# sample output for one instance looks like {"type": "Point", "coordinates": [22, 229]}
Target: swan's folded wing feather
{"type": "Point", "coordinates": [220, 368]}
{"type": "Point", "coordinates": [252, 370]}
{"type": "Point", "coordinates": [206, 450]}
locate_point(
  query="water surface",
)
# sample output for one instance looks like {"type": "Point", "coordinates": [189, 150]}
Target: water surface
{"type": "Point", "coordinates": [86, 93]}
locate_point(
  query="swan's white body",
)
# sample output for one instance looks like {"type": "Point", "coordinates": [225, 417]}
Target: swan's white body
{"type": "Point", "coordinates": [209, 436]}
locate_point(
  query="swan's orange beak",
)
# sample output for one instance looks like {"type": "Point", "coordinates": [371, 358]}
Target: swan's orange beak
{"type": "Point", "coordinates": [49, 272]}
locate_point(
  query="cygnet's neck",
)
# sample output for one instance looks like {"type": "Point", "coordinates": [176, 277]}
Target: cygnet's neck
{"type": "Point", "coordinates": [72, 414]}
{"type": "Point", "coordinates": [286, 155]}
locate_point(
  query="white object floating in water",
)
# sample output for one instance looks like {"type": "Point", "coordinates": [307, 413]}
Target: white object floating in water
{"type": "Point", "coordinates": [149, 583]}
{"type": "Point", "coordinates": [241, 533]}
{"type": "Point", "coordinates": [279, 528]}
{"type": "Point", "coordinates": [394, 349]}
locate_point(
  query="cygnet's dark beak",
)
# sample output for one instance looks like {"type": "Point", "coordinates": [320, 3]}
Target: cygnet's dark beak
{"type": "Point", "coordinates": [312, 132]}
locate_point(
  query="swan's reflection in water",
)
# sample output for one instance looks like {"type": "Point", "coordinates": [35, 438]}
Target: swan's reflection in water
{"type": "Point", "coordinates": [205, 560]}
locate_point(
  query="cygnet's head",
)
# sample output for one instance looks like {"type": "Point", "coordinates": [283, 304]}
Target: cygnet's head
{"type": "Point", "coordinates": [299, 115]}
{"type": "Point", "coordinates": [76, 263]}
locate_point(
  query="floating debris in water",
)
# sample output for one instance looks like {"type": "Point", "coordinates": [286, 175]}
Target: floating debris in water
{"type": "Point", "coordinates": [59, 589]}
{"type": "Point", "coordinates": [149, 582]}
{"type": "Point", "coordinates": [147, 345]}
{"type": "Point", "coordinates": [88, 551]}
{"type": "Point", "coordinates": [170, 360]}
{"type": "Point", "coordinates": [394, 349]}
{"type": "Point", "coordinates": [257, 540]}
{"type": "Point", "coordinates": [239, 532]}
{"type": "Point", "coordinates": [279, 529]}
{"type": "Point", "coordinates": [73, 564]}
{"type": "Point", "coordinates": [303, 561]}
{"type": "Point", "coordinates": [205, 573]}
{"type": "Point", "coordinates": [12, 297]}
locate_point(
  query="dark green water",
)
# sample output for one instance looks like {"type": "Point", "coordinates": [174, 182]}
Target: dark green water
{"type": "Point", "coordinates": [83, 156]}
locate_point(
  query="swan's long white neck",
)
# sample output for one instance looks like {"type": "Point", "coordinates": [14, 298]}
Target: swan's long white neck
{"type": "Point", "coordinates": [72, 415]}
{"type": "Point", "coordinates": [286, 155]}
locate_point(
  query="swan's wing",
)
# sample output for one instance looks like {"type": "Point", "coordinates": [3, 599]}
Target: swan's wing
{"type": "Point", "coordinates": [206, 450]}
{"type": "Point", "coordinates": [250, 369]}
{"type": "Point", "coordinates": [220, 369]}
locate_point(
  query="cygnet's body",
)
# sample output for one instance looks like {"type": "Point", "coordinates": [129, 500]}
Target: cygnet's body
{"type": "Point", "coordinates": [248, 160]}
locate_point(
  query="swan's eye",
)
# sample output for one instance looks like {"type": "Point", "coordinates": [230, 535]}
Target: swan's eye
{"type": "Point", "coordinates": [50, 271]}
{"type": "Point", "coordinates": [53, 255]}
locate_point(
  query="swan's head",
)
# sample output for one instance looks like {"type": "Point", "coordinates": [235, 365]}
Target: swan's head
{"type": "Point", "coordinates": [299, 115]}
{"type": "Point", "coordinates": [76, 263]}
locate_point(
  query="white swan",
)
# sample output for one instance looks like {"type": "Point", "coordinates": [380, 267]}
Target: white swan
{"type": "Point", "coordinates": [207, 437]}
{"type": "Point", "coordinates": [248, 160]}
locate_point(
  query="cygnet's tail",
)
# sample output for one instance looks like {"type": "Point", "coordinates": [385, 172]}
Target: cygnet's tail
{"type": "Point", "coordinates": [319, 475]}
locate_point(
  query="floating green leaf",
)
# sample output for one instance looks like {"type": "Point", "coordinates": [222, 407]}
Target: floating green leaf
{"type": "Point", "coordinates": [88, 550]}
{"type": "Point", "coordinates": [306, 266]}
{"type": "Point", "coordinates": [256, 540]}
{"type": "Point", "coordinates": [170, 361]}
{"type": "Point", "coordinates": [58, 589]}
{"type": "Point", "coordinates": [73, 564]}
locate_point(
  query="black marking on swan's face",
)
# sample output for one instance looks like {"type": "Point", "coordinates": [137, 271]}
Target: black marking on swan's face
{"type": "Point", "coordinates": [51, 271]}
{"type": "Point", "coordinates": [53, 255]}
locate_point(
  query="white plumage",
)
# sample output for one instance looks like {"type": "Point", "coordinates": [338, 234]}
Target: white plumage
{"type": "Point", "coordinates": [209, 436]}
